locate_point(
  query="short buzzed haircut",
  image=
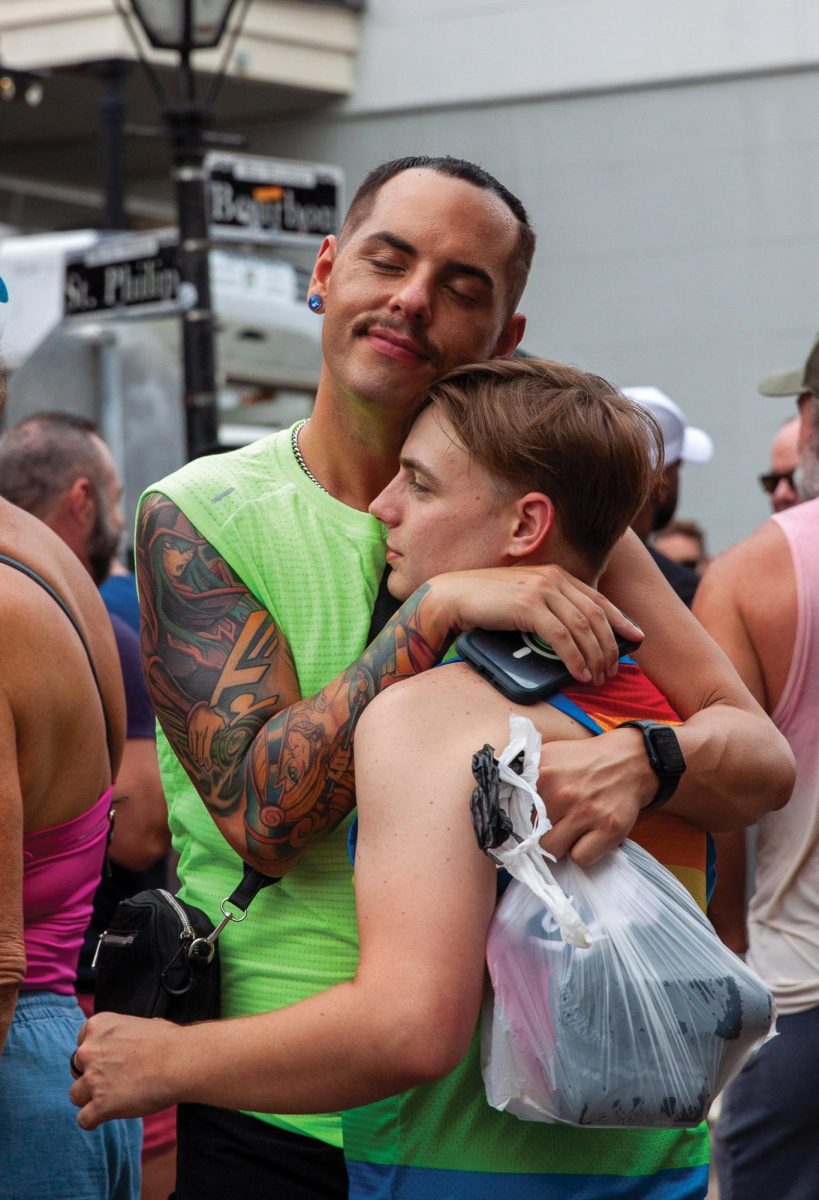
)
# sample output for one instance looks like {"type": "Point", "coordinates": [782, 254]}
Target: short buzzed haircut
{"type": "Point", "coordinates": [540, 426]}
{"type": "Point", "coordinates": [457, 168]}
{"type": "Point", "coordinates": [42, 455]}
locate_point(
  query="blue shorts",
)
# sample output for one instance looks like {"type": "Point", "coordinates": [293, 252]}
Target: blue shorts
{"type": "Point", "coordinates": [765, 1145]}
{"type": "Point", "coordinates": [44, 1155]}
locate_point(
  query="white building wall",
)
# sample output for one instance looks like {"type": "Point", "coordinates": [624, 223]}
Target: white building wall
{"type": "Point", "coordinates": [439, 52]}
{"type": "Point", "coordinates": [678, 221]}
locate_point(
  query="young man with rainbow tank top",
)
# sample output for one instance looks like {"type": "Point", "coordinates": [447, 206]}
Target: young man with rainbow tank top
{"type": "Point", "coordinates": [258, 572]}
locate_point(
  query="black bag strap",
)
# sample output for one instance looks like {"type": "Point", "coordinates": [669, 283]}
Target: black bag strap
{"type": "Point", "coordinates": [253, 881]}
{"type": "Point", "coordinates": [15, 563]}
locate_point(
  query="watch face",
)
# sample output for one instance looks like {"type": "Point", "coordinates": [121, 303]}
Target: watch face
{"type": "Point", "coordinates": [669, 755]}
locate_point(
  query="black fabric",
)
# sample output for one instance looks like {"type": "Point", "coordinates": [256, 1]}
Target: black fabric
{"type": "Point", "coordinates": [385, 606]}
{"type": "Point", "coordinates": [249, 886]}
{"type": "Point", "coordinates": [683, 580]}
{"type": "Point", "coordinates": [116, 885]}
{"type": "Point", "coordinates": [225, 1155]}
{"type": "Point", "coordinates": [8, 561]}
{"type": "Point", "coordinates": [151, 965]}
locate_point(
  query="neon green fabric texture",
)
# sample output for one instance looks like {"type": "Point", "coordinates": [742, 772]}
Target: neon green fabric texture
{"type": "Point", "coordinates": [315, 565]}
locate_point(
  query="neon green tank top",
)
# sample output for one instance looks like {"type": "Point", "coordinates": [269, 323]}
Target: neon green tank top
{"type": "Point", "coordinates": [315, 565]}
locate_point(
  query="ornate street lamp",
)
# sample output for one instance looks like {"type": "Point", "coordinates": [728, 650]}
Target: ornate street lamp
{"type": "Point", "coordinates": [189, 25]}
{"type": "Point", "coordinates": [186, 26]}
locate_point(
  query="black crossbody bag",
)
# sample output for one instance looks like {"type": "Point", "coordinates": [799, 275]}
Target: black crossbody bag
{"type": "Point", "coordinates": [158, 956]}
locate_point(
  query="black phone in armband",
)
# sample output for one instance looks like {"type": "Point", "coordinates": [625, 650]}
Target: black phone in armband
{"type": "Point", "coordinates": [521, 665]}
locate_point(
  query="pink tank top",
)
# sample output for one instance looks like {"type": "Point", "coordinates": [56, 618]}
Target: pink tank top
{"type": "Point", "coordinates": [62, 866]}
{"type": "Point", "coordinates": [783, 918]}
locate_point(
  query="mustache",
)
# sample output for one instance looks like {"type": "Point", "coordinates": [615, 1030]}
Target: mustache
{"type": "Point", "coordinates": [417, 336]}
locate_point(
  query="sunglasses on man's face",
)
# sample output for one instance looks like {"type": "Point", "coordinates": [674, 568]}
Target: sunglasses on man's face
{"type": "Point", "coordinates": [771, 482]}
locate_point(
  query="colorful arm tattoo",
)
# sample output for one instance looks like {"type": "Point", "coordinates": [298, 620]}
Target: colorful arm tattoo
{"type": "Point", "coordinates": [275, 771]}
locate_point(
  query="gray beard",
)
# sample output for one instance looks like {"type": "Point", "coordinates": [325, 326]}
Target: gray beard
{"type": "Point", "coordinates": [806, 475]}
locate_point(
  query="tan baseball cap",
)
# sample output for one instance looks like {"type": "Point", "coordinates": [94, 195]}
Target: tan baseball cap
{"type": "Point", "coordinates": [796, 381]}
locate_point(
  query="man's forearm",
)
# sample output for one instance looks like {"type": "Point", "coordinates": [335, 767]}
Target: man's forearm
{"type": "Point", "coordinates": [348, 1046]}
{"type": "Point", "coordinates": [738, 768]}
{"type": "Point", "coordinates": [298, 778]}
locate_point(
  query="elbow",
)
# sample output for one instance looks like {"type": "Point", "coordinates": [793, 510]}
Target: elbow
{"type": "Point", "coordinates": [774, 775]}
{"type": "Point", "coordinates": [137, 858]}
{"type": "Point", "coordinates": [425, 1043]}
{"type": "Point", "coordinates": [140, 852]}
{"type": "Point", "coordinates": [275, 868]}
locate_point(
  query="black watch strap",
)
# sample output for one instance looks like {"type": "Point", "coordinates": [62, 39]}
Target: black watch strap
{"type": "Point", "coordinates": [664, 755]}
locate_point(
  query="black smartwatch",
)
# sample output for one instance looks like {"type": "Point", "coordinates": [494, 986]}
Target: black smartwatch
{"type": "Point", "coordinates": [664, 755]}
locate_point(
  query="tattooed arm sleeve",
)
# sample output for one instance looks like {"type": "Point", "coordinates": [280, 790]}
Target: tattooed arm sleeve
{"type": "Point", "coordinates": [274, 770]}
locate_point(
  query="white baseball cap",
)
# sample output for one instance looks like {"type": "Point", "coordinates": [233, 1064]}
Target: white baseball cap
{"type": "Point", "coordinates": [682, 441]}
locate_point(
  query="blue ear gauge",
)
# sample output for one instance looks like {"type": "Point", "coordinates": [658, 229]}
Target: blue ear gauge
{"type": "Point", "coordinates": [315, 302]}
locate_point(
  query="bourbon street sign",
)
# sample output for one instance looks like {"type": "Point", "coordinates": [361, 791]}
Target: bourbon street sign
{"type": "Point", "coordinates": [272, 201]}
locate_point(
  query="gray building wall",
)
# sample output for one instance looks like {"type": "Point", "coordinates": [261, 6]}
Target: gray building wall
{"type": "Point", "coordinates": [678, 240]}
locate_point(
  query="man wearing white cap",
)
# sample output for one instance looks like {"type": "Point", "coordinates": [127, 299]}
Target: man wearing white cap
{"type": "Point", "coordinates": [683, 443]}
{"type": "Point", "coordinates": [760, 602]}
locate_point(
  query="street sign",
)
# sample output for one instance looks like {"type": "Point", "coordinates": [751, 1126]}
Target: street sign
{"type": "Point", "coordinates": [122, 273]}
{"type": "Point", "coordinates": [269, 201]}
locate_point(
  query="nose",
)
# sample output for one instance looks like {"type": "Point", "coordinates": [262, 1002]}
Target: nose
{"type": "Point", "coordinates": [413, 297]}
{"type": "Point", "coordinates": [783, 496]}
{"type": "Point", "coordinates": [384, 508]}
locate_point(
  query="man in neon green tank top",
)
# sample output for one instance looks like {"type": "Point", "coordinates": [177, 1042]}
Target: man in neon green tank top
{"type": "Point", "coordinates": [258, 571]}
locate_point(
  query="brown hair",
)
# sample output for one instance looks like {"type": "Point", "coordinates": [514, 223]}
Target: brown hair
{"type": "Point", "coordinates": [684, 526]}
{"type": "Point", "coordinates": [363, 201]}
{"type": "Point", "coordinates": [544, 427]}
{"type": "Point", "coordinates": [42, 455]}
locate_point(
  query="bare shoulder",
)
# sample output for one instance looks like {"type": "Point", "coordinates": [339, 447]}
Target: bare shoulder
{"type": "Point", "coordinates": [30, 542]}
{"type": "Point", "coordinates": [451, 705]}
{"type": "Point", "coordinates": [752, 575]}
{"type": "Point", "coordinates": [747, 602]}
{"type": "Point", "coordinates": [34, 631]}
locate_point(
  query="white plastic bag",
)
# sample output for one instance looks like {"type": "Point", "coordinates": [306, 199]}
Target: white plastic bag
{"type": "Point", "coordinates": [614, 1002]}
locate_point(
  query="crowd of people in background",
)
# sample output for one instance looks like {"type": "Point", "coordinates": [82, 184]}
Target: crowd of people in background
{"type": "Point", "coordinates": [285, 650]}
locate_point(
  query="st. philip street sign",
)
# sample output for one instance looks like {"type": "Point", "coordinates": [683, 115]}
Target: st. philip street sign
{"type": "Point", "coordinates": [129, 272]}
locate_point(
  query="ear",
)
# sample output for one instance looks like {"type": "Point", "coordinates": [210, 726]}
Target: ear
{"type": "Point", "coordinates": [79, 505]}
{"type": "Point", "coordinates": [510, 337]}
{"type": "Point", "coordinates": [323, 266]}
{"type": "Point", "coordinates": [533, 525]}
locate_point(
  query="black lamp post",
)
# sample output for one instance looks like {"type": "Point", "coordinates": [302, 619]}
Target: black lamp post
{"type": "Point", "coordinates": [185, 26]}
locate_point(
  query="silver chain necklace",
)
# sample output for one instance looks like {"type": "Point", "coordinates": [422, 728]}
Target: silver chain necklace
{"type": "Point", "coordinates": [294, 442]}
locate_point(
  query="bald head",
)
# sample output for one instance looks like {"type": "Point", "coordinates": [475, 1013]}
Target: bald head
{"type": "Point", "coordinates": [784, 456]}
